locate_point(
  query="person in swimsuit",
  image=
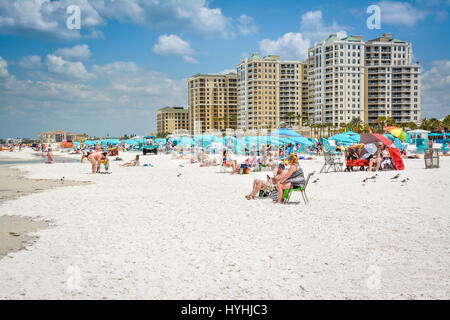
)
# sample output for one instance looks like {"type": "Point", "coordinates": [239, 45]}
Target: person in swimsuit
{"type": "Point", "coordinates": [293, 178]}
{"type": "Point", "coordinates": [96, 159]}
{"type": "Point", "coordinates": [261, 184]}
{"type": "Point", "coordinates": [132, 163]}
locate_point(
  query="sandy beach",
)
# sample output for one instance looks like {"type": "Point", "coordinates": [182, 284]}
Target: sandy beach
{"type": "Point", "coordinates": [150, 233]}
{"type": "Point", "coordinates": [18, 232]}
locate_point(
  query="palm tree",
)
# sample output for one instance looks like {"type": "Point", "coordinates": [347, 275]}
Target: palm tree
{"type": "Point", "coordinates": [299, 117]}
{"type": "Point", "coordinates": [380, 122]}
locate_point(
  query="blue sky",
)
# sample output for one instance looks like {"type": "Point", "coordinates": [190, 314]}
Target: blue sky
{"type": "Point", "coordinates": [132, 57]}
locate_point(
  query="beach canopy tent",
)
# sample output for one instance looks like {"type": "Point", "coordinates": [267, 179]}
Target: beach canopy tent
{"type": "Point", "coordinates": [130, 141]}
{"type": "Point", "coordinates": [285, 133]}
{"type": "Point", "coordinates": [90, 142]}
{"type": "Point", "coordinates": [346, 139]}
{"type": "Point", "coordinates": [110, 141]}
{"type": "Point", "coordinates": [435, 135]}
{"type": "Point", "coordinates": [76, 143]}
{"type": "Point", "coordinates": [368, 138]}
{"type": "Point", "coordinates": [185, 142]}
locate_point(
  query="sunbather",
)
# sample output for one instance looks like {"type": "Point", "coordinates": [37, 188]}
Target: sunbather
{"type": "Point", "coordinates": [132, 163]}
{"type": "Point", "coordinates": [293, 178]}
{"type": "Point", "coordinates": [248, 163]}
{"type": "Point", "coordinates": [268, 185]}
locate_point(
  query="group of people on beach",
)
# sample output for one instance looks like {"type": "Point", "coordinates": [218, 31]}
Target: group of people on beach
{"type": "Point", "coordinates": [377, 154]}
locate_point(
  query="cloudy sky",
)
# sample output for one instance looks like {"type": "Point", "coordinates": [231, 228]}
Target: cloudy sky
{"type": "Point", "coordinates": [130, 58]}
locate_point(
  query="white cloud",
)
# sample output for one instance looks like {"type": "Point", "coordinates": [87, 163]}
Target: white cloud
{"type": "Point", "coordinates": [45, 19]}
{"type": "Point", "coordinates": [400, 13]}
{"type": "Point", "coordinates": [78, 52]}
{"type": "Point", "coordinates": [3, 68]}
{"type": "Point", "coordinates": [227, 71]}
{"type": "Point", "coordinates": [172, 45]}
{"type": "Point", "coordinates": [290, 45]}
{"type": "Point", "coordinates": [294, 45]}
{"type": "Point", "coordinates": [123, 96]}
{"type": "Point", "coordinates": [30, 62]}
{"type": "Point", "coordinates": [436, 90]}
{"type": "Point", "coordinates": [190, 59]}
{"type": "Point", "coordinates": [68, 69]}
{"type": "Point", "coordinates": [246, 25]}
{"type": "Point", "coordinates": [313, 27]}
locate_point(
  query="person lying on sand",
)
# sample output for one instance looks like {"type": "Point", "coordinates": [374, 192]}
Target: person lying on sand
{"type": "Point", "coordinates": [96, 159]}
{"type": "Point", "coordinates": [132, 163]}
{"type": "Point", "coordinates": [268, 185]}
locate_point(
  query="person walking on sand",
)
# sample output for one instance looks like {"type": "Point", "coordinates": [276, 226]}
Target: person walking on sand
{"type": "Point", "coordinates": [49, 155]}
{"type": "Point", "coordinates": [96, 159]}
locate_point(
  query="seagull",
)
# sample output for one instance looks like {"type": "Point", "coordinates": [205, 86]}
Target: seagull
{"type": "Point", "coordinates": [181, 165]}
{"type": "Point", "coordinates": [315, 180]}
{"type": "Point", "coordinates": [179, 175]}
{"type": "Point", "coordinates": [373, 177]}
{"type": "Point", "coordinates": [62, 178]}
{"type": "Point", "coordinates": [365, 180]}
{"type": "Point", "coordinates": [395, 177]}
{"type": "Point", "coordinates": [405, 180]}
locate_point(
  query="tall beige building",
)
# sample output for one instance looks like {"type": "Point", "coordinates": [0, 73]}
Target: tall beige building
{"type": "Point", "coordinates": [213, 103]}
{"type": "Point", "coordinates": [169, 119]}
{"type": "Point", "coordinates": [392, 81]}
{"type": "Point", "coordinates": [270, 92]}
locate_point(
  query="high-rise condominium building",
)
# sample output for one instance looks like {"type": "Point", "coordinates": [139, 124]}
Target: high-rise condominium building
{"type": "Point", "coordinates": [169, 119]}
{"type": "Point", "coordinates": [349, 78]}
{"type": "Point", "coordinates": [269, 92]}
{"type": "Point", "coordinates": [392, 82]}
{"type": "Point", "coordinates": [213, 102]}
{"type": "Point", "coordinates": [336, 78]}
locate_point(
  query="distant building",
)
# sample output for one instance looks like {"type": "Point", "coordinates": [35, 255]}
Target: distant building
{"type": "Point", "coordinates": [60, 136]}
{"type": "Point", "coordinates": [271, 92]}
{"type": "Point", "coordinates": [213, 102]}
{"type": "Point", "coordinates": [393, 82]}
{"type": "Point", "coordinates": [349, 78]}
{"type": "Point", "coordinates": [169, 119]}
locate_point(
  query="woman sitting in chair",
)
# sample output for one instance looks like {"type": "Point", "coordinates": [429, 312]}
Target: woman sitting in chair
{"type": "Point", "coordinates": [292, 179]}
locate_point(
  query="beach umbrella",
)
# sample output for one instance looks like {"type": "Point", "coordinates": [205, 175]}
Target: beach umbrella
{"type": "Point", "coordinates": [285, 133]}
{"type": "Point", "coordinates": [368, 138]}
{"type": "Point", "coordinates": [399, 133]}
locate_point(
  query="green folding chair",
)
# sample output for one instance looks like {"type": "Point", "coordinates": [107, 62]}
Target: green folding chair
{"type": "Point", "coordinates": [288, 192]}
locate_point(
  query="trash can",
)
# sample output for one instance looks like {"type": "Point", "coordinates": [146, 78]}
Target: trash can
{"type": "Point", "coordinates": [431, 157]}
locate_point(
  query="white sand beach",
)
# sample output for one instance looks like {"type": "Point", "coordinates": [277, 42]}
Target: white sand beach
{"type": "Point", "coordinates": [145, 233]}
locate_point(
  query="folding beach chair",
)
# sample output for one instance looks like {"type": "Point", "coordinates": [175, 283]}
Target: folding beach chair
{"type": "Point", "coordinates": [288, 192]}
{"type": "Point", "coordinates": [331, 162]}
